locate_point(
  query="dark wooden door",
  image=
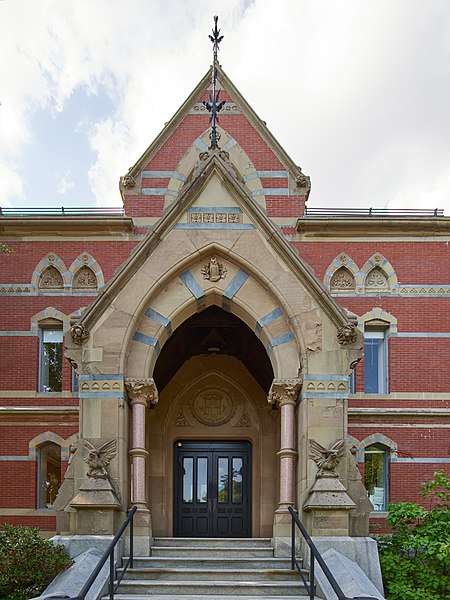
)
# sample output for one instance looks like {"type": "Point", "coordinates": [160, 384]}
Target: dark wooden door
{"type": "Point", "coordinates": [212, 489]}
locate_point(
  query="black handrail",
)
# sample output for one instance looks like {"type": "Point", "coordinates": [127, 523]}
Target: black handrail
{"type": "Point", "coordinates": [109, 553]}
{"type": "Point", "coordinates": [315, 555]}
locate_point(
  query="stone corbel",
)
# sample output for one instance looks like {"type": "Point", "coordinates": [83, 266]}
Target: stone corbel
{"type": "Point", "coordinates": [142, 391]}
{"type": "Point", "coordinates": [284, 391]}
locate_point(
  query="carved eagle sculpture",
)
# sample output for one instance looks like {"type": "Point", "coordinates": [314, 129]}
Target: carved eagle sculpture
{"type": "Point", "coordinates": [98, 459]}
{"type": "Point", "coordinates": [326, 460]}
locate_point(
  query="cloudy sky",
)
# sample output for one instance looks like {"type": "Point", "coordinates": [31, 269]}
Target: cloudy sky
{"type": "Point", "coordinates": [357, 91]}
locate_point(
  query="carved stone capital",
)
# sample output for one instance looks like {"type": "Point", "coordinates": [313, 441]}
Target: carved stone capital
{"type": "Point", "coordinates": [347, 334]}
{"type": "Point", "coordinates": [141, 391]}
{"type": "Point", "coordinates": [284, 391]}
{"type": "Point", "coordinates": [79, 333]}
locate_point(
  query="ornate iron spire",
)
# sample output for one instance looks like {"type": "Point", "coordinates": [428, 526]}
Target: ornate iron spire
{"type": "Point", "coordinates": [214, 106]}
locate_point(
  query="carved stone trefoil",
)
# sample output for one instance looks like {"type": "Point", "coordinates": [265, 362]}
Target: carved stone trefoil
{"type": "Point", "coordinates": [376, 279]}
{"type": "Point", "coordinates": [214, 270]}
{"type": "Point", "coordinates": [79, 333]}
{"type": "Point", "coordinates": [98, 459]}
{"type": "Point", "coordinates": [347, 334]}
{"type": "Point", "coordinates": [143, 391]}
{"type": "Point", "coordinates": [284, 391]}
{"type": "Point", "coordinates": [326, 460]}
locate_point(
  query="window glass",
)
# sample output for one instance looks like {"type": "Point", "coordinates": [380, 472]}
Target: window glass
{"type": "Point", "coordinates": [51, 360]}
{"type": "Point", "coordinates": [375, 362]}
{"type": "Point", "coordinates": [375, 476]}
{"type": "Point", "coordinates": [202, 480]}
{"type": "Point", "coordinates": [222, 480]}
{"type": "Point", "coordinates": [237, 480]}
{"type": "Point", "coordinates": [188, 479]}
{"type": "Point", "coordinates": [49, 475]}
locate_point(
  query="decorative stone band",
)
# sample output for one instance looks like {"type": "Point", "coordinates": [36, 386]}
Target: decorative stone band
{"type": "Point", "coordinates": [284, 391]}
{"type": "Point", "coordinates": [142, 391]}
{"type": "Point", "coordinates": [325, 386]}
{"type": "Point", "coordinates": [287, 453]}
{"type": "Point", "coordinates": [101, 386]}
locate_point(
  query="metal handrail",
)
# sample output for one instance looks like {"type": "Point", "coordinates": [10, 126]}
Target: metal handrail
{"type": "Point", "coordinates": [64, 211]}
{"type": "Point", "coordinates": [315, 555]}
{"type": "Point", "coordinates": [373, 212]}
{"type": "Point", "coordinates": [109, 553]}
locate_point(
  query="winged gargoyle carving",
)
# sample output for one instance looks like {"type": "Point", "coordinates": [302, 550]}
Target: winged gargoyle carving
{"type": "Point", "coordinates": [326, 460]}
{"type": "Point", "coordinates": [98, 459]}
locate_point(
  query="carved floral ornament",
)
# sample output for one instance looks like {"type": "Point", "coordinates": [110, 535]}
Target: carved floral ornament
{"type": "Point", "coordinates": [79, 333]}
{"type": "Point", "coordinates": [85, 279]}
{"type": "Point", "coordinates": [142, 391]}
{"type": "Point", "coordinates": [51, 279]}
{"type": "Point", "coordinates": [347, 334]}
{"type": "Point", "coordinates": [214, 270]}
{"type": "Point", "coordinates": [342, 279]}
{"type": "Point", "coordinates": [284, 391]}
{"type": "Point", "coordinates": [376, 279]}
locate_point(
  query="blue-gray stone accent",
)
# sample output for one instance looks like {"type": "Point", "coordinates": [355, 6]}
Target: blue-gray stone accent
{"type": "Point", "coordinates": [266, 319]}
{"type": "Point", "coordinates": [158, 192]}
{"type": "Point", "coordinates": [147, 340]}
{"type": "Point", "coordinates": [214, 209]}
{"type": "Point", "coordinates": [159, 318]}
{"type": "Point", "coordinates": [280, 339]}
{"type": "Point", "coordinates": [201, 145]}
{"type": "Point", "coordinates": [271, 192]}
{"type": "Point", "coordinates": [214, 226]}
{"type": "Point", "coordinates": [163, 175]}
{"type": "Point", "coordinates": [192, 284]}
{"type": "Point", "coordinates": [97, 376]}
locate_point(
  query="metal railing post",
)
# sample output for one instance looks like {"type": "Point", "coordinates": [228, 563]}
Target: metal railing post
{"type": "Point", "coordinates": [293, 545]}
{"type": "Point", "coordinates": [312, 587]}
{"type": "Point", "coordinates": [111, 575]}
{"type": "Point", "coordinates": [131, 542]}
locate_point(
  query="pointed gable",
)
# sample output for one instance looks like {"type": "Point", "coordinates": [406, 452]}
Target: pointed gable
{"type": "Point", "coordinates": [157, 178]}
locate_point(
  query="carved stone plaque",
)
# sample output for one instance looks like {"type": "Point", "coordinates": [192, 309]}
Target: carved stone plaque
{"type": "Point", "coordinates": [213, 407]}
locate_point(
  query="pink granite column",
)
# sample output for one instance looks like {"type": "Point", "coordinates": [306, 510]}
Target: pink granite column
{"type": "Point", "coordinates": [283, 393]}
{"type": "Point", "coordinates": [143, 394]}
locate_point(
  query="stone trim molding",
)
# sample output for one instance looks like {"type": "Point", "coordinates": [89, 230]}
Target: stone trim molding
{"type": "Point", "coordinates": [374, 438]}
{"type": "Point", "coordinates": [101, 386]}
{"type": "Point", "coordinates": [49, 436]}
{"type": "Point", "coordinates": [86, 260]}
{"type": "Point", "coordinates": [378, 314]}
{"type": "Point", "coordinates": [378, 263]}
{"type": "Point", "coordinates": [342, 261]}
{"type": "Point", "coordinates": [49, 313]}
{"type": "Point", "coordinates": [50, 260]}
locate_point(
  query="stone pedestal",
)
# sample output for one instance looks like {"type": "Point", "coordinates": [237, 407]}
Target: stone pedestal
{"type": "Point", "coordinates": [328, 508]}
{"type": "Point", "coordinates": [97, 507]}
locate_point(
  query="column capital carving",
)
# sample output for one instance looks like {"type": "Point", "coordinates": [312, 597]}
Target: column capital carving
{"type": "Point", "coordinates": [284, 391]}
{"type": "Point", "coordinates": [141, 391]}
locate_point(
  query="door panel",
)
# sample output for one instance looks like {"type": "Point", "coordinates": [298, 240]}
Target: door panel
{"type": "Point", "coordinates": [212, 489]}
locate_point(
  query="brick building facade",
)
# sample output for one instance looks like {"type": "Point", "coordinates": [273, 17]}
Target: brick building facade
{"type": "Point", "coordinates": [387, 274]}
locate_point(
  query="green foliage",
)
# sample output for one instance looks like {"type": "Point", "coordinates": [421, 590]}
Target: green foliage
{"type": "Point", "coordinates": [28, 562]}
{"type": "Point", "coordinates": [415, 558]}
{"type": "Point", "coordinates": [4, 248]}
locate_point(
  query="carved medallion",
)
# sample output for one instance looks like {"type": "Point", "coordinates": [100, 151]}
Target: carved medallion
{"type": "Point", "coordinates": [342, 280]}
{"type": "Point", "coordinates": [214, 270]}
{"type": "Point", "coordinates": [51, 279]}
{"type": "Point", "coordinates": [213, 407]}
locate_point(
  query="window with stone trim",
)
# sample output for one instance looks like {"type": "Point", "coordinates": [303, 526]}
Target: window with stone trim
{"type": "Point", "coordinates": [49, 474]}
{"type": "Point", "coordinates": [375, 360]}
{"type": "Point", "coordinates": [51, 353]}
{"type": "Point", "coordinates": [376, 475]}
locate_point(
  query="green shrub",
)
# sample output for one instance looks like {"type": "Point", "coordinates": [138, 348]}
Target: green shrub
{"type": "Point", "coordinates": [415, 558]}
{"type": "Point", "coordinates": [28, 562]}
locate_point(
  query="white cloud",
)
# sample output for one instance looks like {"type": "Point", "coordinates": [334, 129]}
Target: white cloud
{"type": "Point", "coordinates": [65, 182]}
{"type": "Point", "coordinates": [357, 92]}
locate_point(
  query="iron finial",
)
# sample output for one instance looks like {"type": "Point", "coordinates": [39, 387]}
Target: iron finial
{"type": "Point", "coordinates": [214, 106]}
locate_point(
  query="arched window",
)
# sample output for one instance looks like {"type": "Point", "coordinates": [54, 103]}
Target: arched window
{"type": "Point", "coordinates": [49, 473]}
{"type": "Point", "coordinates": [376, 475]}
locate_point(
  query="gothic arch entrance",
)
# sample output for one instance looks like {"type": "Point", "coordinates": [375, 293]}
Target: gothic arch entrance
{"type": "Point", "coordinates": [213, 437]}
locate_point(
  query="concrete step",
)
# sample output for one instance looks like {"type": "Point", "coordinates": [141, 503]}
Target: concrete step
{"type": "Point", "coordinates": [212, 550]}
{"type": "Point", "coordinates": [211, 542]}
{"type": "Point", "coordinates": [230, 589]}
{"type": "Point", "coordinates": [204, 574]}
{"type": "Point", "coordinates": [191, 597]}
{"type": "Point", "coordinates": [187, 562]}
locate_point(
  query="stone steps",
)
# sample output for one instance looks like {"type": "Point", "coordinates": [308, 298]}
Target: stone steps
{"type": "Point", "coordinates": [200, 568]}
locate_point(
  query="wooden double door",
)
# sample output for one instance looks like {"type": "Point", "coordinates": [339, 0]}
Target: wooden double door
{"type": "Point", "coordinates": [212, 489]}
